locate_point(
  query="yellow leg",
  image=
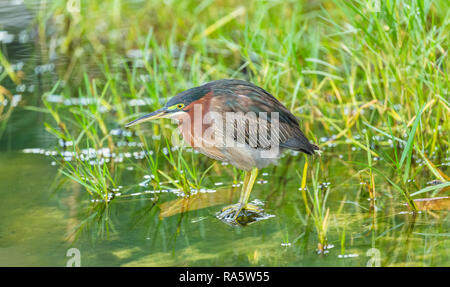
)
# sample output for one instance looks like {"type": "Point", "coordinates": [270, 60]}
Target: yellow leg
{"type": "Point", "coordinates": [249, 181]}
{"type": "Point", "coordinates": [247, 189]}
{"type": "Point", "coordinates": [244, 186]}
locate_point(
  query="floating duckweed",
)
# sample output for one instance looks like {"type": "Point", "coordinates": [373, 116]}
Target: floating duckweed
{"type": "Point", "coordinates": [6, 38]}
{"type": "Point", "coordinates": [435, 182]}
{"type": "Point", "coordinates": [325, 249]}
{"type": "Point", "coordinates": [44, 68]}
{"type": "Point", "coordinates": [198, 219]}
{"type": "Point", "coordinates": [347, 255]}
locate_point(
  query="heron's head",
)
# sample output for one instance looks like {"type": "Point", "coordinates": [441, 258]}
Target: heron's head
{"type": "Point", "coordinates": [175, 108]}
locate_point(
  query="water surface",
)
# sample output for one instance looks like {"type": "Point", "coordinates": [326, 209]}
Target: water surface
{"type": "Point", "coordinates": [44, 214]}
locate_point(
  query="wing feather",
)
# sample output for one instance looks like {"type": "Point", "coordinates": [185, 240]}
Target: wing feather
{"type": "Point", "coordinates": [246, 101]}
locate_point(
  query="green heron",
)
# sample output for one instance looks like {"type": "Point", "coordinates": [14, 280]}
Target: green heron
{"type": "Point", "coordinates": [236, 122]}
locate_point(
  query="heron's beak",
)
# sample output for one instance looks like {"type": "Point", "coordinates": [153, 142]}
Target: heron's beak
{"type": "Point", "coordinates": [155, 115]}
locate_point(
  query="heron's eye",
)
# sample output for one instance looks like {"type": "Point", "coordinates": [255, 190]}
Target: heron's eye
{"type": "Point", "coordinates": [180, 106]}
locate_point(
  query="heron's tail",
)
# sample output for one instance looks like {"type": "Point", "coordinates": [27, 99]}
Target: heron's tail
{"type": "Point", "coordinates": [301, 144]}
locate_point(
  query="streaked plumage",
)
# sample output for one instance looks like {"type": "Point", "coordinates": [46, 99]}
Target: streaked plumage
{"type": "Point", "coordinates": [212, 134]}
{"type": "Point", "coordinates": [236, 96]}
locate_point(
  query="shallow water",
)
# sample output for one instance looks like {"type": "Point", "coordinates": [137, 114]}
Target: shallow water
{"type": "Point", "coordinates": [38, 226]}
{"type": "Point", "coordinates": [44, 214]}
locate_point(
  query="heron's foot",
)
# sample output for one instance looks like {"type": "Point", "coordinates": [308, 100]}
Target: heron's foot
{"type": "Point", "coordinates": [233, 212]}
